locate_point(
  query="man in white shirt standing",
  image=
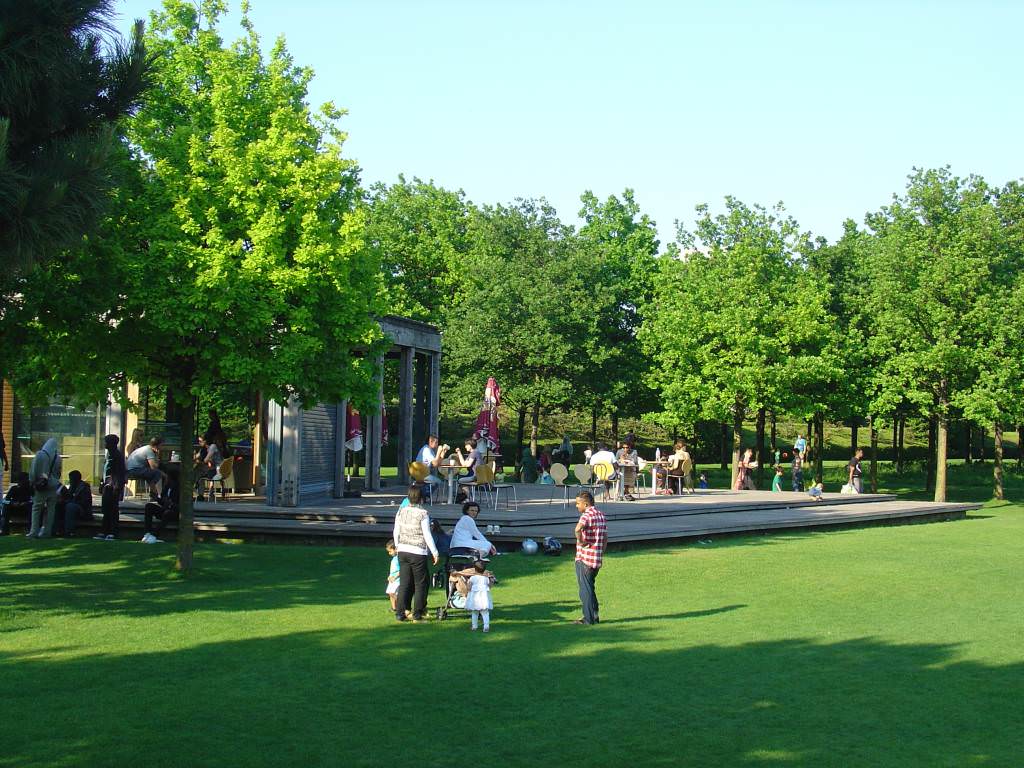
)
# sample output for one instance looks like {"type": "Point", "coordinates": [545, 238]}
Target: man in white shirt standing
{"type": "Point", "coordinates": [414, 542]}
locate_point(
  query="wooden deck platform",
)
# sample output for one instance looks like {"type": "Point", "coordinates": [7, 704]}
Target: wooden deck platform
{"type": "Point", "coordinates": [709, 513]}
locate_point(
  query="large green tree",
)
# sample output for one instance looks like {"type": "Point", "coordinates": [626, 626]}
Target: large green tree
{"type": "Point", "coordinates": [421, 233]}
{"type": "Point", "coordinates": [622, 242]}
{"type": "Point", "coordinates": [66, 82]}
{"type": "Point", "coordinates": [738, 324]}
{"type": "Point", "coordinates": [238, 255]}
{"type": "Point", "coordinates": [935, 268]}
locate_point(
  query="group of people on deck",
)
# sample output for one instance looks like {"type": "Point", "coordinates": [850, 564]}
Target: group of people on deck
{"type": "Point", "coordinates": [468, 459]}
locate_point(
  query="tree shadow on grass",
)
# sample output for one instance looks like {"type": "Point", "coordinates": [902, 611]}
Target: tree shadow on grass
{"type": "Point", "coordinates": [537, 696]}
{"type": "Point", "coordinates": [100, 579]}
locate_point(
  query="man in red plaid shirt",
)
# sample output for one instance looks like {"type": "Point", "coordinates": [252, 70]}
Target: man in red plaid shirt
{"type": "Point", "coordinates": [591, 539]}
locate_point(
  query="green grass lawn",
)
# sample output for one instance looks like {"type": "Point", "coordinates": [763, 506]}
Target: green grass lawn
{"type": "Point", "coordinates": [887, 646]}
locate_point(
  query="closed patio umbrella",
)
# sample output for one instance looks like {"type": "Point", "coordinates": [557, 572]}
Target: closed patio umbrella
{"type": "Point", "coordinates": [353, 429]}
{"type": "Point", "coordinates": [487, 421]}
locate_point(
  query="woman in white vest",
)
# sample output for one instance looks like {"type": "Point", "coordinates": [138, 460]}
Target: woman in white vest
{"type": "Point", "coordinates": [413, 542]}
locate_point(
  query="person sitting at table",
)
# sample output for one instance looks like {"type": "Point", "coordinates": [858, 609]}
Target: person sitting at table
{"type": "Point", "coordinates": [467, 536]}
{"type": "Point", "coordinates": [470, 461]}
{"type": "Point", "coordinates": [432, 454]}
{"type": "Point", "coordinates": [18, 500]}
{"type": "Point", "coordinates": [680, 465]}
{"type": "Point", "coordinates": [627, 459]}
{"type": "Point", "coordinates": [144, 464]}
{"type": "Point", "coordinates": [603, 456]}
{"type": "Point", "coordinates": [208, 459]}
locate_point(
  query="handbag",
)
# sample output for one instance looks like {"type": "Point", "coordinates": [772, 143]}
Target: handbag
{"type": "Point", "coordinates": [42, 482]}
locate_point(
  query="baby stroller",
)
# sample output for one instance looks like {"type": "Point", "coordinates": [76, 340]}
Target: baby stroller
{"type": "Point", "coordinates": [457, 559]}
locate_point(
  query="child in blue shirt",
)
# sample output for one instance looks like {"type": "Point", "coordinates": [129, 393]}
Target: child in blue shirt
{"type": "Point", "coordinates": [392, 590]}
{"type": "Point", "coordinates": [777, 482]}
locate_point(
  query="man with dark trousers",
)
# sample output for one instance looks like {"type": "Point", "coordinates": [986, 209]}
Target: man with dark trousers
{"type": "Point", "coordinates": [114, 478]}
{"type": "Point", "coordinates": [591, 540]}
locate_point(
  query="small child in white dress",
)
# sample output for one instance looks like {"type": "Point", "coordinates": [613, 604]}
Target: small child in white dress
{"type": "Point", "coordinates": [393, 573]}
{"type": "Point", "coordinates": [478, 601]}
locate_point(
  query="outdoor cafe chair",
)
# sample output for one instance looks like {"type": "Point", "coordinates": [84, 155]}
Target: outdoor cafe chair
{"type": "Point", "coordinates": [605, 475]}
{"type": "Point", "coordinates": [641, 467]}
{"type": "Point", "coordinates": [419, 472]}
{"type": "Point", "coordinates": [584, 474]}
{"type": "Point", "coordinates": [508, 488]}
{"type": "Point", "coordinates": [679, 474]}
{"type": "Point", "coordinates": [559, 473]}
{"type": "Point", "coordinates": [224, 470]}
{"type": "Point", "coordinates": [483, 479]}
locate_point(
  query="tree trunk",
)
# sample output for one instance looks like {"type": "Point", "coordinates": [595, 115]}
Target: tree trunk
{"type": "Point", "coordinates": [615, 427]}
{"type": "Point", "coordinates": [534, 428]}
{"type": "Point", "coordinates": [520, 433]}
{"type": "Point", "coordinates": [941, 439]}
{"type": "Point", "coordinates": [854, 426]}
{"type": "Point", "coordinates": [968, 434]}
{"type": "Point", "coordinates": [774, 437]}
{"type": "Point", "coordinates": [725, 446]}
{"type": "Point", "coordinates": [760, 447]}
{"type": "Point", "coordinates": [982, 433]}
{"type": "Point", "coordinates": [737, 439]}
{"type": "Point", "coordinates": [186, 532]}
{"type": "Point", "coordinates": [1020, 446]}
{"type": "Point", "coordinates": [929, 480]}
{"type": "Point", "coordinates": [819, 446]}
{"type": "Point", "coordinates": [593, 428]}
{"type": "Point", "coordinates": [899, 448]}
{"type": "Point", "coordinates": [895, 435]}
{"type": "Point", "coordinates": [997, 461]}
{"type": "Point", "coordinates": [874, 454]}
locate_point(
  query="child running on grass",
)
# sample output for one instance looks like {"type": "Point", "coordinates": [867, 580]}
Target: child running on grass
{"type": "Point", "coordinates": [392, 590]}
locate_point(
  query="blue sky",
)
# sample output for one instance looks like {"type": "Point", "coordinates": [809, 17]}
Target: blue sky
{"type": "Point", "coordinates": [823, 105]}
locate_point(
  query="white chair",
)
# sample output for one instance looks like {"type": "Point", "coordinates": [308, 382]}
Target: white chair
{"type": "Point", "coordinates": [224, 470]}
{"type": "Point", "coordinates": [559, 473]}
{"type": "Point", "coordinates": [641, 481]}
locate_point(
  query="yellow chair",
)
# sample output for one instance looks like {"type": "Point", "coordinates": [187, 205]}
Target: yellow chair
{"type": "Point", "coordinates": [419, 472]}
{"type": "Point", "coordinates": [604, 474]}
{"type": "Point", "coordinates": [224, 470]}
{"type": "Point", "coordinates": [680, 472]}
{"type": "Point", "coordinates": [483, 479]}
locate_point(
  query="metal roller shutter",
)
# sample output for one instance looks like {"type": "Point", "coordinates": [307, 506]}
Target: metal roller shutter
{"type": "Point", "coordinates": [317, 449]}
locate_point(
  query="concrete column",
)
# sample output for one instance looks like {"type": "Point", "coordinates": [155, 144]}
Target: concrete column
{"type": "Point", "coordinates": [131, 418]}
{"type": "Point", "coordinates": [340, 431]}
{"type": "Point", "coordinates": [291, 426]}
{"type": "Point", "coordinates": [421, 408]}
{"type": "Point", "coordinates": [405, 413]}
{"type": "Point", "coordinates": [371, 436]}
{"type": "Point", "coordinates": [434, 395]}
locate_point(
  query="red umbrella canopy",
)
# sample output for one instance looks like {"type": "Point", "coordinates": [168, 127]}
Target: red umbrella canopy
{"type": "Point", "coordinates": [487, 421]}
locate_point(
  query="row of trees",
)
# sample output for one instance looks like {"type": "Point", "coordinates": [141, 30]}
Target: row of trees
{"type": "Point", "coordinates": [915, 313]}
{"type": "Point", "coordinates": [227, 240]}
